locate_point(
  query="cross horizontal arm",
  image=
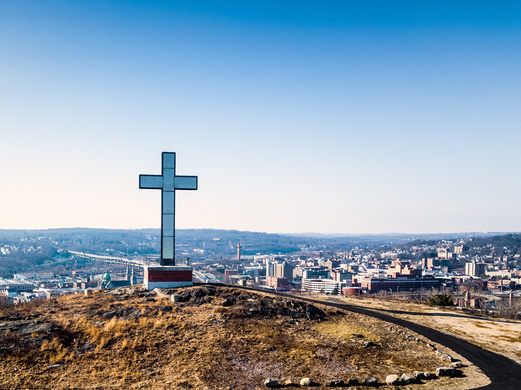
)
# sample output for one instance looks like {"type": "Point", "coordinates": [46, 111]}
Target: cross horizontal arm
{"type": "Point", "coordinates": [186, 182]}
{"type": "Point", "coordinates": [151, 181]}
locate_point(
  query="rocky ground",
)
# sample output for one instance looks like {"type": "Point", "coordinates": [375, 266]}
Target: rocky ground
{"type": "Point", "coordinates": [208, 337]}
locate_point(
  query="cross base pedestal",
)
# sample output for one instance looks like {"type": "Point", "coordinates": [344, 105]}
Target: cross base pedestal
{"type": "Point", "coordinates": [167, 276]}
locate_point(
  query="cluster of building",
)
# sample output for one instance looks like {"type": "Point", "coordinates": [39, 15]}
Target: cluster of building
{"type": "Point", "coordinates": [448, 266]}
{"type": "Point", "coordinates": [317, 274]}
{"type": "Point", "coordinates": [457, 266]}
{"type": "Point", "coordinates": [25, 287]}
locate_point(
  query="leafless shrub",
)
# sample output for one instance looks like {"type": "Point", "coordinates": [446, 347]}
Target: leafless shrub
{"type": "Point", "coordinates": [505, 310]}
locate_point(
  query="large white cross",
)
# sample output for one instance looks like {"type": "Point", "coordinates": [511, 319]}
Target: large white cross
{"type": "Point", "coordinates": [168, 183]}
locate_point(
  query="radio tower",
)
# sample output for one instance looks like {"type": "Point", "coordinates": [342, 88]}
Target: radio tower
{"type": "Point", "coordinates": [239, 251]}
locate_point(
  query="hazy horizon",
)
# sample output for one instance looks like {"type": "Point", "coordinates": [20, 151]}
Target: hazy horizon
{"type": "Point", "coordinates": [296, 116]}
{"type": "Point", "coordinates": [269, 232]}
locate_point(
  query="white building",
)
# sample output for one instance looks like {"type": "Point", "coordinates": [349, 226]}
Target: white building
{"type": "Point", "coordinates": [444, 253]}
{"type": "Point", "coordinates": [322, 286]}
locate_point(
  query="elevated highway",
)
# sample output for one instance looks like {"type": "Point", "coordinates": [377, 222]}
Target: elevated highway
{"type": "Point", "coordinates": [114, 259]}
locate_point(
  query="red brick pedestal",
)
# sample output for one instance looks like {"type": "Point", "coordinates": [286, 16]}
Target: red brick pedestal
{"type": "Point", "coordinates": [167, 277]}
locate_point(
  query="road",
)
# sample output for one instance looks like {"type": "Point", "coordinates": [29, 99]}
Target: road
{"type": "Point", "coordinates": [504, 373]}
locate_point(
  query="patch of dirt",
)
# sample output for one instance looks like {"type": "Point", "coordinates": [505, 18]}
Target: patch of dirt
{"type": "Point", "coordinates": [211, 337]}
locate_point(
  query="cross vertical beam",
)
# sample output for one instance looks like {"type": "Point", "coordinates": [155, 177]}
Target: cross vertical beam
{"type": "Point", "coordinates": [168, 183]}
{"type": "Point", "coordinates": [168, 209]}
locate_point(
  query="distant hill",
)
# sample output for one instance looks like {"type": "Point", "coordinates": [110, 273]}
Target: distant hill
{"type": "Point", "coordinates": [510, 241]}
{"type": "Point", "coordinates": [482, 244]}
{"type": "Point", "coordinates": [215, 242]}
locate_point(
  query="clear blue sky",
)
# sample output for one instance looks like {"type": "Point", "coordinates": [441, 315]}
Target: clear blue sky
{"type": "Point", "coordinates": [298, 116]}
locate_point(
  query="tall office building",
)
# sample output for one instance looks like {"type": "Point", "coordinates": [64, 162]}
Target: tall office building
{"type": "Point", "coordinates": [270, 268]}
{"type": "Point", "coordinates": [475, 269]}
{"type": "Point", "coordinates": [284, 270]}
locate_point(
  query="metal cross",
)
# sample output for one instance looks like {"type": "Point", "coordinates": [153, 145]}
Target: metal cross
{"type": "Point", "coordinates": [168, 183]}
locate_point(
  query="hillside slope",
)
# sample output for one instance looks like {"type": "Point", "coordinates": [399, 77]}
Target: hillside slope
{"type": "Point", "coordinates": [212, 337]}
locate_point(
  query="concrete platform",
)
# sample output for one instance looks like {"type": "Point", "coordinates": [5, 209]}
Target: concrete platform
{"type": "Point", "coordinates": [167, 276]}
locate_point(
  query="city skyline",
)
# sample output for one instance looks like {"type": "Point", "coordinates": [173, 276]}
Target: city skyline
{"type": "Point", "coordinates": [359, 118]}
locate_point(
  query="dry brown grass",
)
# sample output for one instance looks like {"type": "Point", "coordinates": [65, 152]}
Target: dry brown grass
{"type": "Point", "coordinates": [55, 351]}
{"type": "Point", "coordinates": [481, 325]}
{"type": "Point", "coordinates": [147, 343]}
{"type": "Point", "coordinates": [500, 336]}
{"type": "Point", "coordinates": [346, 330]}
{"type": "Point", "coordinates": [513, 337]}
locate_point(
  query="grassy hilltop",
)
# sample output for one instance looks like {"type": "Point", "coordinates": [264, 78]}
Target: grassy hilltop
{"type": "Point", "coordinates": [212, 337]}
